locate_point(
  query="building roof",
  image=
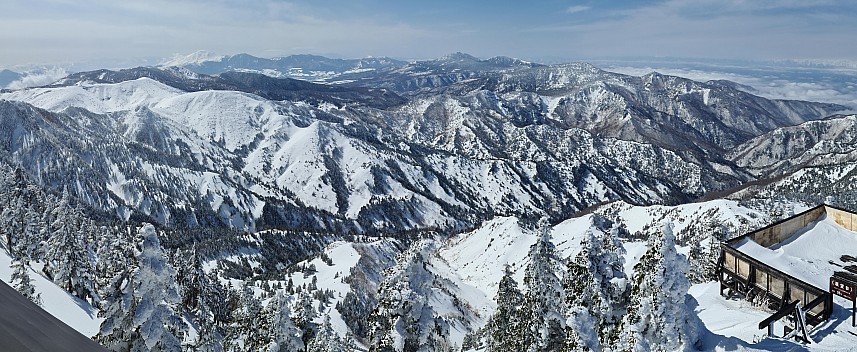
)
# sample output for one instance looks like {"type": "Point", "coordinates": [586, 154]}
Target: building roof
{"type": "Point", "coordinates": [27, 327]}
{"type": "Point", "coordinates": [807, 254]}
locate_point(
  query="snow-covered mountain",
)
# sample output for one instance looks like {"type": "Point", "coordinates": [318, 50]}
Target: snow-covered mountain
{"type": "Point", "coordinates": [666, 109]}
{"type": "Point", "coordinates": [816, 143]}
{"type": "Point", "coordinates": [194, 58]}
{"type": "Point", "coordinates": [813, 162]}
{"type": "Point", "coordinates": [439, 205]}
{"type": "Point", "coordinates": [252, 151]}
{"type": "Point", "coordinates": [307, 67]}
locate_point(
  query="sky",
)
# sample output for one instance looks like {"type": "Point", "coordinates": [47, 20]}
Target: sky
{"type": "Point", "coordinates": [63, 31]}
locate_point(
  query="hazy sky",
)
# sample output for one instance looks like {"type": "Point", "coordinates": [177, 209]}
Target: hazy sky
{"type": "Point", "coordinates": [57, 31]}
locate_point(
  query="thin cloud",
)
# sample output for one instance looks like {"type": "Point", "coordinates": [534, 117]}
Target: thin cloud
{"type": "Point", "coordinates": [772, 85]}
{"type": "Point", "coordinates": [111, 30]}
{"type": "Point", "coordinates": [737, 30]}
{"type": "Point", "coordinates": [577, 9]}
{"type": "Point", "coordinates": [62, 30]}
{"type": "Point", "coordinates": [38, 78]}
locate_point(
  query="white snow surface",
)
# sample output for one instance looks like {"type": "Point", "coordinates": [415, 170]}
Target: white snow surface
{"type": "Point", "coordinates": [344, 257]}
{"type": "Point", "coordinates": [193, 58]}
{"type": "Point", "coordinates": [733, 325]}
{"type": "Point", "coordinates": [806, 254]}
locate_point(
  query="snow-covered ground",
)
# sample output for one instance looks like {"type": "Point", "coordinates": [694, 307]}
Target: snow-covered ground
{"type": "Point", "coordinates": [733, 325]}
{"type": "Point", "coordinates": [472, 264]}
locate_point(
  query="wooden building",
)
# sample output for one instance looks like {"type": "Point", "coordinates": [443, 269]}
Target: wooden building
{"type": "Point", "coordinates": [761, 278]}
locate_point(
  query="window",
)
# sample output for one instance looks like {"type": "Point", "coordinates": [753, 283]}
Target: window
{"type": "Point", "coordinates": [743, 269]}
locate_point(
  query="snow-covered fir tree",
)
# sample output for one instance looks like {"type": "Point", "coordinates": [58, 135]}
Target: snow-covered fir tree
{"type": "Point", "coordinates": [247, 332]}
{"type": "Point", "coordinates": [712, 258]}
{"type": "Point", "coordinates": [28, 245]}
{"type": "Point", "coordinates": [506, 330]}
{"type": "Point", "coordinates": [304, 314]}
{"type": "Point", "coordinates": [118, 331]}
{"type": "Point", "coordinates": [544, 309]}
{"type": "Point", "coordinates": [404, 320]}
{"type": "Point", "coordinates": [327, 340]}
{"type": "Point", "coordinates": [114, 257]}
{"type": "Point", "coordinates": [284, 335]}
{"type": "Point", "coordinates": [16, 198]}
{"type": "Point", "coordinates": [697, 259]}
{"type": "Point", "coordinates": [141, 313]}
{"type": "Point", "coordinates": [202, 295]}
{"type": "Point", "coordinates": [658, 317]}
{"type": "Point", "coordinates": [583, 299]}
{"type": "Point", "coordinates": [210, 337]}
{"type": "Point", "coordinates": [69, 262]}
{"type": "Point", "coordinates": [595, 287]}
{"type": "Point", "coordinates": [22, 282]}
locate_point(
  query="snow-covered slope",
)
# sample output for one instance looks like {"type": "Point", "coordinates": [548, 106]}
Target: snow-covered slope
{"type": "Point", "coordinates": [446, 161]}
{"type": "Point", "coordinates": [194, 58]}
{"type": "Point", "coordinates": [468, 267]}
{"type": "Point", "coordinates": [816, 143]}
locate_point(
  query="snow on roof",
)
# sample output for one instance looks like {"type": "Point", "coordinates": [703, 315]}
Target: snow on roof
{"type": "Point", "coordinates": [806, 254]}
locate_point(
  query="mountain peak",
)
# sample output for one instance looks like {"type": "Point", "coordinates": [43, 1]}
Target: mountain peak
{"type": "Point", "coordinates": [458, 56]}
{"type": "Point", "coordinates": [196, 57]}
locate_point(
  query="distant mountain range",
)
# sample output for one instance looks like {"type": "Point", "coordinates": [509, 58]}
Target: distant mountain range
{"type": "Point", "coordinates": [309, 67]}
{"type": "Point", "coordinates": [447, 143]}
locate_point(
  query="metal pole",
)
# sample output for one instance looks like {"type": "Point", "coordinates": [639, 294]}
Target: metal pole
{"type": "Point", "coordinates": [854, 312]}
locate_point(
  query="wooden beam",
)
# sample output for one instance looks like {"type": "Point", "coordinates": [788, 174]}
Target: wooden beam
{"type": "Point", "coordinates": [784, 311]}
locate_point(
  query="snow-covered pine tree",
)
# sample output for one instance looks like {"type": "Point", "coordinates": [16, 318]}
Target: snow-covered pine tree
{"type": "Point", "coordinates": [611, 275]}
{"type": "Point", "coordinates": [697, 259]}
{"type": "Point", "coordinates": [140, 315]}
{"type": "Point", "coordinates": [284, 335]}
{"type": "Point", "coordinates": [403, 320]}
{"type": "Point", "coordinates": [712, 258]}
{"type": "Point", "coordinates": [247, 331]}
{"type": "Point", "coordinates": [391, 316]}
{"type": "Point", "coordinates": [582, 298]}
{"type": "Point", "coordinates": [117, 331]}
{"type": "Point", "coordinates": [113, 256]}
{"type": "Point", "coordinates": [658, 317]}
{"type": "Point", "coordinates": [68, 260]}
{"type": "Point", "coordinates": [22, 282]}
{"type": "Point", "coordinates": [221, 301]}
{"type": "Point", "coordinates": [28, 244]}
{"type": "Point", "coordinates": [304, 314]}
{"type": "Point", "coordinates": [543, 306]}
{"type": "Point", "coordinates": [210, 338]}
{"type": "Point", "coordinates": [159, 325]}
{"type": "Point", "coordinates": [192, 279]}
{"type": "Point", "coordinates": [327, 340]}
{"type": "Point", "coordinates": [15, 197]}
{"type": "Point", "coordinates": [506, 329]}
